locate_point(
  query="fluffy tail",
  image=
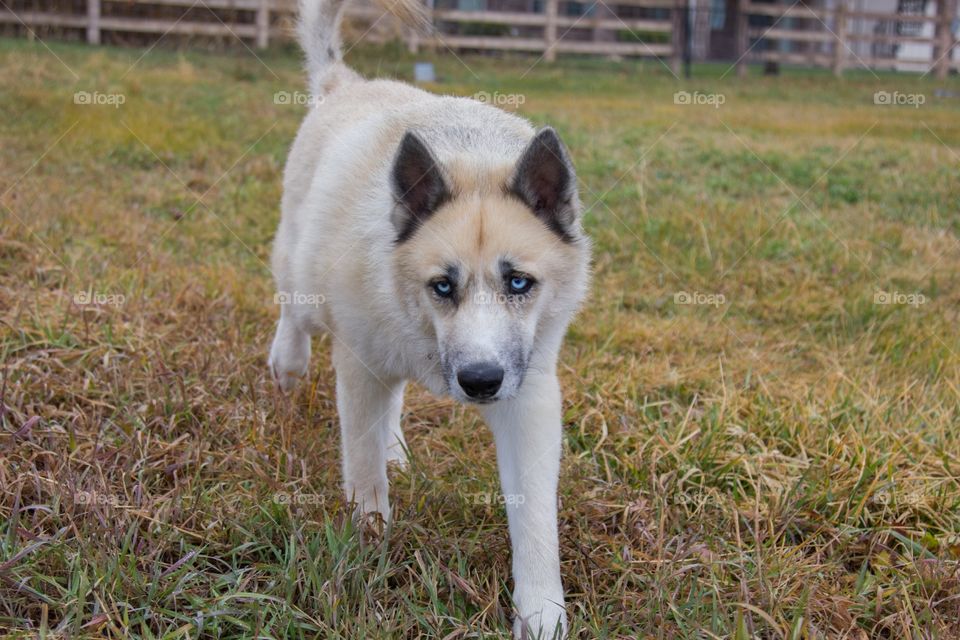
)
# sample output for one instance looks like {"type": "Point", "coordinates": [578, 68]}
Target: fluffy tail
{"type": "Point", "coordinates": [319, 32]}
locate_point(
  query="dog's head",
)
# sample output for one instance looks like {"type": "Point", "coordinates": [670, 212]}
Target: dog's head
{"type": "Point", "coordinates": [491, 261]}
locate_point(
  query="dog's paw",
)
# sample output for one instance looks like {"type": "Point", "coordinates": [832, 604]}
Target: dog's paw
{"type": "Point", "coordinates": [548, 621]}
{"type": "Point", "coordinates": [371, 525]}
{"type": "Point", "coordinates": [285, 379]}
{"type": "Point", "coordinates": [289, 357]}
{"type": "Point", "coordinates": [371, 506]}
{"type": "Point", "coordinates": [398, 457]}
{"type": "Point", "coordinates": [397, 449]}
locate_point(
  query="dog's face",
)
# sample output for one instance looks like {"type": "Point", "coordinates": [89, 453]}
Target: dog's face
{"type": "Point", "coordinates": [481, 269]}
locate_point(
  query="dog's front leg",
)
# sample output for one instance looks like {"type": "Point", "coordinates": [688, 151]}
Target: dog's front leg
{"type": "Point", "coordinates": [369, 409]}
{"type": "Point", "coordinates": [290, 351]}
{"type": "Point", "coordinates": [527, 430]}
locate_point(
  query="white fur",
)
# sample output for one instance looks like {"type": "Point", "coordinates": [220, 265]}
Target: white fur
{"type": "Point", "coordinates": [334, 255]}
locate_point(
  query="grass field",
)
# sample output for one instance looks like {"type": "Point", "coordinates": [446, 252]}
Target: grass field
{"type": "Point", "coordinates": [762, 395]}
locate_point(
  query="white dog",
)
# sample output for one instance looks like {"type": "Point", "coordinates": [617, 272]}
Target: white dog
{"type": "Point", "coordinates": [436, 239]}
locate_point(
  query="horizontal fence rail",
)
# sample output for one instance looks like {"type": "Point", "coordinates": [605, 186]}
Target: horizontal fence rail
{"type": "Point", "coordinates": [840, 37]}
{"type": "Point", "coordinates": [828, 33]}
{"type": "Point", "coordinates": [262, 21]}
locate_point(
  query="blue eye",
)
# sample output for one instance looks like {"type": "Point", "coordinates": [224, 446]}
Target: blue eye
{"type": "Point", "coordinates": [443, 288]}
{"type": "Point", "coordinates": [520, 284]}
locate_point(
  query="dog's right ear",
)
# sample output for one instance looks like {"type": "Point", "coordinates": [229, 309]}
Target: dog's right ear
{"type": "Point", "coordinates": [419, 187]}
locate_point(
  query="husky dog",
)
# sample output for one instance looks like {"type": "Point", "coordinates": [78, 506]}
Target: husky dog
{"type": "Point", "coordinates": [436, 239]}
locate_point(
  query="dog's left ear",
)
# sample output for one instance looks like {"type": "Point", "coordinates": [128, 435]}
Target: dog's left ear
{"type": "Point", "coordinates": [545, 181]}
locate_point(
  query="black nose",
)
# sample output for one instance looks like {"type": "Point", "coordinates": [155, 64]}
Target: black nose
{"type": "Point", "coordinates": [481, 380]}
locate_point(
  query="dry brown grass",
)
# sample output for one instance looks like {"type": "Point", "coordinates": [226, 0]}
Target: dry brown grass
{"type": "Point", "coordinates": [782, 465]}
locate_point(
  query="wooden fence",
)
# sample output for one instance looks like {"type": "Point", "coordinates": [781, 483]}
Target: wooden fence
{"type": "Point", "coordinates": [94, 22]}
{"type": "Point", "coordinates": [786, 32]}
{"type": "Point", "coordinates": [821, 37]}
{"type": "Point", "coordinates": [261, 21]}
{"type": "Point", "coordinates": [550, 22]}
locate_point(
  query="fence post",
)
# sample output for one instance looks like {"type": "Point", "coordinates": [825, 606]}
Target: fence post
{"type": "Point", "coordinates": [677, 35]}
{"type": "Point", "coordinates": [93, 21]}
{"type": "Point", "coordinates": [413, 40]}
{"type": "Point", "coordinates": [263, 24]}
{"type": "Point", "coordinates": [743, 37]}
{"type": "Point", "coordinates": [840, 46]}
{"type": "Point", "coordinates": [550, 31]}
{"type": "Point", "coordinates": [943, 49]}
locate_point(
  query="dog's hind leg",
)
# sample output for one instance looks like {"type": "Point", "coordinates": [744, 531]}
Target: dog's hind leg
{"type": "Point", "coordinates": [290, 352]}
{"type": "Point", "coordinates": [369, 406]}
{"type": "Point", "coordinates": [527, 430]}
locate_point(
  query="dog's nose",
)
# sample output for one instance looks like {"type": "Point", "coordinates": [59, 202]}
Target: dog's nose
{"type": "Point", "coordinates": [481, 380]}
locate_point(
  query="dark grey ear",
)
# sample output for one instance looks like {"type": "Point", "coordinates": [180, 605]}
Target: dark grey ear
{"type": "Point", "coordinates": [418, 186]}
{"type": "Point", "coordinates": [545, 180]}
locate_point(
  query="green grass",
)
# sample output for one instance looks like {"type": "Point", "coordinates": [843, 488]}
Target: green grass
{"type": "Point", "coordinates": [781, 464]}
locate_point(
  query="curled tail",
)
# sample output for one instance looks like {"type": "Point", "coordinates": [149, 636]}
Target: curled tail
{"type": "Point", "coordinates": [319, 32]}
